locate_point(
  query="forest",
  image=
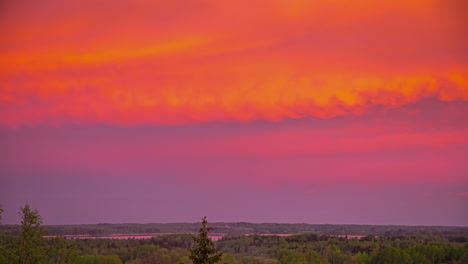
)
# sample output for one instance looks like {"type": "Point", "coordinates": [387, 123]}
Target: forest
{"type": "Point", "coordinates": [243, 228]}
{"type": "Point", "coordinates": [29, 243]}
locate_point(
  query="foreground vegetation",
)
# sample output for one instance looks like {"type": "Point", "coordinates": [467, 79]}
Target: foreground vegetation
{"type": "Point", "coordinates": [28, 245]}
{"type": "Point", "coordinates": [293, 249]}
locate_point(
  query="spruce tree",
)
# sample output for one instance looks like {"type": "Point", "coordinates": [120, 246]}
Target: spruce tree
{"type": "Point", "coordinates": [204, 253]}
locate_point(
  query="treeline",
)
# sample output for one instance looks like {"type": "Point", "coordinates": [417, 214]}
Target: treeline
{"type": "Point", "coordinates": [302, 249]}
{"type": "Point", "coordinates": [242, 228]}
{"type": "Point", "coordinates": [339, 250]}
{"type": "Point", "coordinates": [29, 245]}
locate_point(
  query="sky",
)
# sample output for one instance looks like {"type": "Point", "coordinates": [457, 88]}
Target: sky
{"type": "Point", "coordinates": [337, 112]}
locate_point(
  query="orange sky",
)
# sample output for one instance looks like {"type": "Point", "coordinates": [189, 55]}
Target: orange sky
{"type": "Point", "coordinates": [177, 62]}
{"type": "Point", "coordinates": [127, 109]}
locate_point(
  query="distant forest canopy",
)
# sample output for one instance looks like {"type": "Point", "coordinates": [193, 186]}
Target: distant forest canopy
{"type": "Point", "coordinates": [243, 228]}
{"type": "Point", "coordinates": [296, 249]}
{"type": "Point", "coordinates": [28, 243]}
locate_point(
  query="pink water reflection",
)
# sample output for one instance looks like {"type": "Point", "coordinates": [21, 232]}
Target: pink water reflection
{"type": "Point", "coordinates": [214, 237]}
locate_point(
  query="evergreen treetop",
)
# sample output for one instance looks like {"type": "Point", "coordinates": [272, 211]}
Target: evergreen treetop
{"type": "Point", "coordinates": [204, 253]}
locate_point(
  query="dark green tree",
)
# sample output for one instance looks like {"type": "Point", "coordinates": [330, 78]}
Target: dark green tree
{"type": "Point", "coordinates": [204, 253]}
{"type": "Point", "coordinates": [30, 246]}
{"type": "Point", "coordinates": [5, 251]}
{"type": "Point", "coordinates": [391, 256]}
{"type": "Point", "coordinates": [61, 251]}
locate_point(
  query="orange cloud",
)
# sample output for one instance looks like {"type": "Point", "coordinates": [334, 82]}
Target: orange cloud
{"type": "Point", "coordinates": [150, 62]}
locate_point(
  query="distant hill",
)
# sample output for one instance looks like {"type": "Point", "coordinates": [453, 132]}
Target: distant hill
{"type": "Point", "coordinates": [243, 228]}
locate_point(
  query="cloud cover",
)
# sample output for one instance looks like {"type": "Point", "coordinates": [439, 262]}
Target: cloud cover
{"type": "Point", "coordinates": [151, 62]}
{"type": "Point", "coordinates": [279, 109]}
